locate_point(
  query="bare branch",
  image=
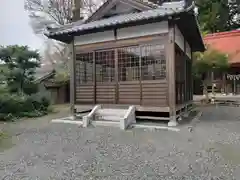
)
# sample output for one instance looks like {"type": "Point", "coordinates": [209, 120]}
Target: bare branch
{"type": "Point", "coordinates": [45, 13]}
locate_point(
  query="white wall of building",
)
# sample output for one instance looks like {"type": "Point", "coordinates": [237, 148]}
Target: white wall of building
{"type": "Point", "coordinates": [94, 38]}
{"type": "Point", "coordinates": [123, 33]}
{"type": "Point", "coordinates": [143, 30]}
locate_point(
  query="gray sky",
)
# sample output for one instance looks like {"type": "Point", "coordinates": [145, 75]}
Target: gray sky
{"type": "Point", "coordinates": [14, 25]}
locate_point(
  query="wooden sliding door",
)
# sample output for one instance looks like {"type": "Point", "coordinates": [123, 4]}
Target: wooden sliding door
{"type": "Point", "coordinates": [153, 78]}
{"type": "Point", "coordinates": [84, 78]}
{"type": "Point", "coordinates": [105, 77]}
{"type": "Point", "coordinates": [129, 88]}
{"type": "Point", "coordinates": [125, 75]}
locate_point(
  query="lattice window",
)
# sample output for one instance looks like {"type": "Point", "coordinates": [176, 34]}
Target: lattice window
{"type": "Point", "coordinates": [153, 62]}
{"type": "Point", "coordinates": [84, 68]}
{"type": "Point", "coordinates": [105, 66]}
{"type": "Point", "coordinates": [128, 63]}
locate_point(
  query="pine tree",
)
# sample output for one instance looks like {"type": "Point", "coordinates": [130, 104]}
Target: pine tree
{"type": "Point", "coordinates": [21, 63]}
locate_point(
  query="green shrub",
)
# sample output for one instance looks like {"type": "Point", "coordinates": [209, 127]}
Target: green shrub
{"type": "Point", "coordinates": [39, 101]}
{"type": "Point", "coordinates": [3, 89]}
{"type": "Point", "coordinates": [13, 106]}
{"type": "Point", "coordinates": [10, 103]}
{"type": "Point", "coordinates": [34, 113]}
{"type": "Point", "coordinates": [30, 88]}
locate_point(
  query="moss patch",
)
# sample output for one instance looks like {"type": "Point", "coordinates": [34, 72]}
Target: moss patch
{"type": "Point", "coordinates": [5, 141]}
{"type": "Point", "coordinates": [229, 152]}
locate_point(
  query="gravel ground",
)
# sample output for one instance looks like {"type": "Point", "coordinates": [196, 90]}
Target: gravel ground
{"type": "Point", "coordinates": [67, 152]}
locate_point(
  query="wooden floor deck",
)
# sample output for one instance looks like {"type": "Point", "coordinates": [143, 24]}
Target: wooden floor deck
{"type": "Point", "coordinates": [84, 108]}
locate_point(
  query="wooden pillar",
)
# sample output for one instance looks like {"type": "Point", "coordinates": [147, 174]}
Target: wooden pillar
{"type": "Point", "coordinates": [72, 78]}
{"type": "Point", "coordinates": [185, 73]}
{"type": "Point", "coordinates": [94, 79]}
{"type": "Point", "coordinates": [224, 83]}
{"type": "Point", "coordinates": [116, 75]}
{"type": "Point", "coordinates": [234, 85]}
{"type": "Point", "coordinates": [171, 77]}
{"type": "Point", "coordinates": [182, 77]}
{"type": "Point", "coordinates": [191, 76]}
{"type": "Point", "coordinates": [140, 73]}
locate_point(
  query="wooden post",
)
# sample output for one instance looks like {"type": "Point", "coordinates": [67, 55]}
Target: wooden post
{"type": "Point", "coordinates": [212, 79]}
{"type": "Point", "coordinates": [234, 81]}
{"type": "Point", "coordinates": [140, 74]}
{"type": "Point", "coordinates": [116, 74]}
{"type": "Point", "coordinates": [185, 73]}
{"type": "Point", "coordinates": [190, 75]}
{"type": "Point", "coordinates": [171, 77]}
{"type": "Point", "coordinates": [94, 79]}
{"type": "Point", "coordinates": [72, 79]}
{"type": "Point", "coordinates": [224, 86]}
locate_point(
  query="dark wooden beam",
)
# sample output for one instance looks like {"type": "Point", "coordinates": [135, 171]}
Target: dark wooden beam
{"type": "Point", "coordinates": [185, 72]}
{"type": "Point", "coordinates": [191, 77]}
{"type": "Point", "coordinates": [140, 73]}
{"type": "Point", "coordinates": [116, 75]}
{"type": "Point", "coordinates": [72, 78]}
{"type": "Point", "coordinates": [94, 78]}
{"type": "Point", "coordinates": [171, 76]}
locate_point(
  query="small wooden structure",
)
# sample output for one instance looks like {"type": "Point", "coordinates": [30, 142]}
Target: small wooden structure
{"type": "Point", "coordinates": [133, 52]}
{"type": "Point", "coordinates": [59, 91]}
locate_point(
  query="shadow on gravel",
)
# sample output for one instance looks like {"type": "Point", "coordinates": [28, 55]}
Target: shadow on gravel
{"type": "Point", "coordinates": [189, 119]}
{"type": "Point", "coordinates": [214, 114]}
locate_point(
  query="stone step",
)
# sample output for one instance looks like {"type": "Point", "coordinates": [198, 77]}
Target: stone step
{"type": "Point", "coordinates": [112, 112]}
{"type": "Point", "coordinates": [152, 118]}
{"type": "Point", "coordinates": [106, 123]}
{"type": "Point", "coordinates": [108, 118]}
{"type": "Point", "coordinates": [80, 116]}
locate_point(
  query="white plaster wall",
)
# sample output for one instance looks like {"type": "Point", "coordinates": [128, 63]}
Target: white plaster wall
{"type": "Point", "coordinates": [179, 39]}
{"type": "Point", "coordinates": [142, 30]}
{"type": "Point", "coordinates": [94, 38]}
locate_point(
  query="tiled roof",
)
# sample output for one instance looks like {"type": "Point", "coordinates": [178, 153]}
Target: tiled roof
{"type": "Point", "coordinates": [117, 20]}
{"type": "Point", "coordinates": [43, 71]}
{"type": "Point", "coordinates": [144, 2]}
{"type": "Point", "coordinates": [148, 3]}
{"type": "Point", "coordinates": [226, 42]}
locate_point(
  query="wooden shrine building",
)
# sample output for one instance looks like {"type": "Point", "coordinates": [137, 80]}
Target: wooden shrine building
{"type": "Point", "coordinates": [133, 52]}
